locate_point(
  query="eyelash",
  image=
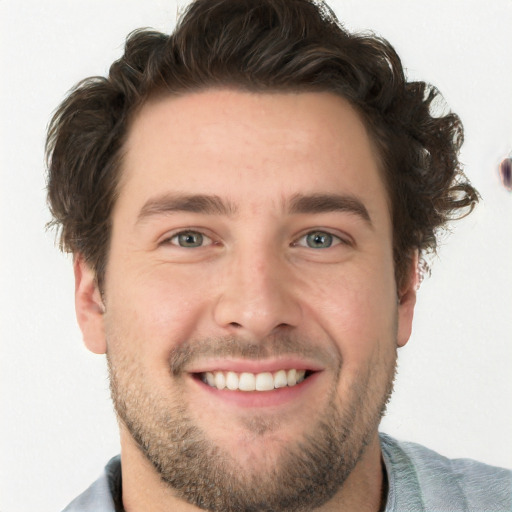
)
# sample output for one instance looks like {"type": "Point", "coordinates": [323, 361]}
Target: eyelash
{"type": "Point", "coordinates": [335, 240]}
{"type": "Point", "coordinates": [187, 232]}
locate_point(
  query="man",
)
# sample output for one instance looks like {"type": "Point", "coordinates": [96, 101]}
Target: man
{"type": "Point", "coordinates": [247, 202]}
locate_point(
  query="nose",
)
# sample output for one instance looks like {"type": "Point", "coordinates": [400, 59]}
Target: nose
{"type": "Point", "coordinates": [257, 297]}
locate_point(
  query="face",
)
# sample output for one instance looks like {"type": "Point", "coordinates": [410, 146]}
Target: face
{"type": "Point", "coordinates": [250, 312]}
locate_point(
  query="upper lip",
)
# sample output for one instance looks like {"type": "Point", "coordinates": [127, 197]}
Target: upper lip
{"type": "Point", "coordinates": [254, 366]}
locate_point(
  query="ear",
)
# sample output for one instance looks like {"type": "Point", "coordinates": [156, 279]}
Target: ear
{"type": "Point", "coordinates": [407, 301]}
{"type": "Point", "coordinates": [89, 306]}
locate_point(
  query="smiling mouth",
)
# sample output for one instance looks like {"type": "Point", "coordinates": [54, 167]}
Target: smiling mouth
{"type": "Point", "coordinates": [245, 381]}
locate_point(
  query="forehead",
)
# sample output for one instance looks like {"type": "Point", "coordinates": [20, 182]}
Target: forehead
{"type": "Point", "coordinates": [255, 147]}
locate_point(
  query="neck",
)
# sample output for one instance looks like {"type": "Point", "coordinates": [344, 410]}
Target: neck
{"type": "Point", "coordinates": [143, 488]}
{"type": "Point", "coordinates": [364, 490]}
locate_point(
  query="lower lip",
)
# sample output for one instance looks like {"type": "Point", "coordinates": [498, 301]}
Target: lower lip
{"type": "Point", "coordinates": [254, 399]}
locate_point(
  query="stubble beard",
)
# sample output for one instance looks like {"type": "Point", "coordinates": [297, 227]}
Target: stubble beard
{"type": "Point", "coordinates": [303, 476]}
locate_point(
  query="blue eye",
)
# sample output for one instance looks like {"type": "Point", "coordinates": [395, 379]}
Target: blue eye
{"type": "Point", "coordinates": [189, 239]}
{"type": "Point", "coordinates": [318, 240]}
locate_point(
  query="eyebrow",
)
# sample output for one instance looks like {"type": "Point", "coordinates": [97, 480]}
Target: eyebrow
{"type": "Point", "coordinates": [195, 203]}
{"type": "Point", "coordinates": [214, 205]}
{"type": "Point", "coordinates": [324, 203]}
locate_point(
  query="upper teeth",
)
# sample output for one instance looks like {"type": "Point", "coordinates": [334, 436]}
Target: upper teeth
{"type": "Point", "coordinates": [245, 381]}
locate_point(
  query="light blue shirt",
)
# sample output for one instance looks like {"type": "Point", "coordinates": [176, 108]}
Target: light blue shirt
{"type": "Point", "coordinates": [419, 480]}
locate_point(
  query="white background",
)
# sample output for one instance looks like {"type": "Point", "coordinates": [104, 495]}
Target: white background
{"type": "Point", "coordinates": [454, 387]}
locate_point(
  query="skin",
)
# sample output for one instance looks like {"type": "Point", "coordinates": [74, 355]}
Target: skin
{"type": "Point", "coordinates": [254, 279]}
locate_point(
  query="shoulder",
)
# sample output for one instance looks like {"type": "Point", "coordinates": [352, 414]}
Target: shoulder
{"type": "Point", "coordinates": [103, 494]}
{"type": "Point", "coordinates": [420, 477]}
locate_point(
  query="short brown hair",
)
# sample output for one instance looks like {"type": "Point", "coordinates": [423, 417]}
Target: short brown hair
{"type": "Point", "coordinates": [258, 45]}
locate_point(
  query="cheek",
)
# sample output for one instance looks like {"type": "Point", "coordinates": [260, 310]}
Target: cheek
{"type": "Point", "coordinates": [356, 308]}
{"type": "Point", "coordinates": [156, 306]}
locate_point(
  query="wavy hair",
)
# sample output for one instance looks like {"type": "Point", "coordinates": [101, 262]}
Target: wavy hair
{"type": "Point", "coordinates": [258, 45]}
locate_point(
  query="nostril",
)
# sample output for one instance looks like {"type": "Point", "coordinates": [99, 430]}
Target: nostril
{"type": "Point", "coordinates": [235, 324]}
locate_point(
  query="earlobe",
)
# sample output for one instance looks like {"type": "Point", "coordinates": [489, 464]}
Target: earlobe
{"type": "Point", "coordinates": [407, 302]}
{"type": "Point", "coordinates": [89, 306]}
